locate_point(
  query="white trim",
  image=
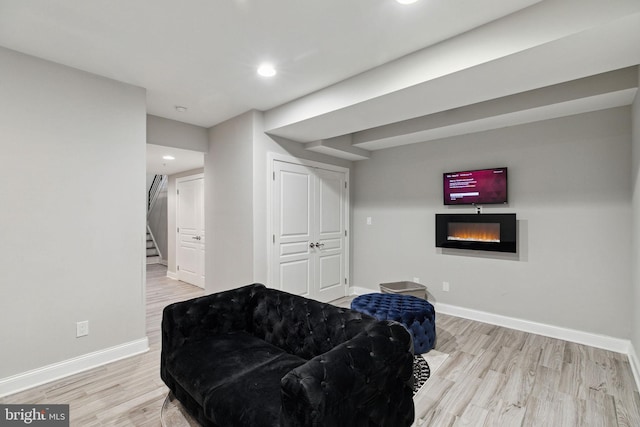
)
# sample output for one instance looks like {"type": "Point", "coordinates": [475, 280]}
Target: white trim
{"type": "Point", "coordinates": [618, 345]}
{"type": "Point", "coordinates": [296, 161]}
{"type": "Point", "coordinates": [635, 364]}
{"type": "Point", "coordinates": [359, 290]}
{"type": "Point", "coordinates": [39, 376]}
{"type": "Point", "coordinates": [190, 177]}
{"type": "Point", "coordinates": [594, 340]}
{"type": "Point", "coordinates": [172, 275]}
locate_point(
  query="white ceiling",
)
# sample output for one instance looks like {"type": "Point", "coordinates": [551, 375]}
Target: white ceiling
{"type": "Point", "coordinates": [351, 74]}
{"type": "Point", "coordinates": [202, 54]}
{"type": "Point", "coordinates": [183, 160]}
{"type": "Point", "coordinates": [552, 43]}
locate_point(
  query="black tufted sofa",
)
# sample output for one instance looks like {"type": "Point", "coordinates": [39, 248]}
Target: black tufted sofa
{"type": "Point", "coordinates": [256, 357]}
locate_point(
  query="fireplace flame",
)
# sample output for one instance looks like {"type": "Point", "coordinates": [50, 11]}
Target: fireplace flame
{"type": "Point", "coordinates": [474, 232]}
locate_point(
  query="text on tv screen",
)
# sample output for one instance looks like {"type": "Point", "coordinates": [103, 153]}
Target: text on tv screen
{"type": "Point", "coordinates": [476, 187]}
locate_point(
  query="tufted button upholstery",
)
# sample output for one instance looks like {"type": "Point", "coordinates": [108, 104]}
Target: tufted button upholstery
{"type": "Point", "coordinates": [260, 357]}
{"type": "Point", "coordinates": [416, 314]}
{"type": "Point", "coordinates": [301, 326]}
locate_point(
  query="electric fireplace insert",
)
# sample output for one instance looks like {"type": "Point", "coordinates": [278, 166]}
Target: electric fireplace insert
{"type": "Point", "coordinates": [482, 232]}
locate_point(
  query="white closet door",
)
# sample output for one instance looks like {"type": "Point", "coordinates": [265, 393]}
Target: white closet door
{"type": "Point", "coordinates": [309, 217]}
{"type": "Point", "coordinates": [330, 235]}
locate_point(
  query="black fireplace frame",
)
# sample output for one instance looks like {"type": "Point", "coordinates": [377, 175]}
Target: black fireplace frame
{"type": "Point", "coordinates": [508, 232]}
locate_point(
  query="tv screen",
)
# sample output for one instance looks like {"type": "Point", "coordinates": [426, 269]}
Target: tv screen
{"type": "Point", "coordinates": [476, 187]}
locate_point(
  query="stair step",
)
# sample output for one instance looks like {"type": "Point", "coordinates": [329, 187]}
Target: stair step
{"type": "Point", "coordinates": [153, 259]}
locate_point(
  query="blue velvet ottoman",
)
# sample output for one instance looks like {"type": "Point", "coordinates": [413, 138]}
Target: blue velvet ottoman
{"type": "Point", "coordinates": [416, 314]}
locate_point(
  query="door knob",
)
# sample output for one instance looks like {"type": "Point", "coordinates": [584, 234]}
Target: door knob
{"type": "Point", "coordinates": [312, 245]}
{"type": "Point", "coordinates": [319, 245]}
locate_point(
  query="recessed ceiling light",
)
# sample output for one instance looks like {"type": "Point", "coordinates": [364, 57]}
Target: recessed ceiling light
{"type": "Point", "coordinates": [406, 1]}
{"type": "Point", "coordinates": [168, 157]}
{"type": "Point", "coordinates": [266, 70]}
{"type": "Point", "coordinates": [181, 109]}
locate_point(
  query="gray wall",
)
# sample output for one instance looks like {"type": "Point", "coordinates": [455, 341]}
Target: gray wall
{"type": "Point", "coordinates": [72, 185]}
{"type": "Point", "coordinates": [569, 184]}
{"type": "Point", "coordinates": [171, 133]}
{"type": "Point", "coordinates": [229, 204]}
{"type": "Point", "coordinates": [635, 261]}
{"type": "Point", "coordinates": [236, 188]}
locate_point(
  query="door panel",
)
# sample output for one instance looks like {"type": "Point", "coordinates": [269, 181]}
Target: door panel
{"type": "Point", "coordinates": [295, 277]}
{"type": "Point", "coordinates": [295, 210]}
{"type": "Point", "coordinates": [309, 217]}
{"type": "Point", "coordinates": [331, 198]}
{"type": "Point", "coordinates": [292, 232]}
{"type": "Point", "coordinates": [330, 272]}
{"type": "Point", "coordinates": [191, 238]}
{"type": "Point", "coordinates": [297, 248]}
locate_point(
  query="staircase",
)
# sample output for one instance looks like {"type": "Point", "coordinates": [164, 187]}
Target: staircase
{"type": "Point", "coordinates": [153, 255]}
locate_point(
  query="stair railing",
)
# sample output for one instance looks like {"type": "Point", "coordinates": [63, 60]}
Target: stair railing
{"type": "Point", "coordinates": [159, 181]}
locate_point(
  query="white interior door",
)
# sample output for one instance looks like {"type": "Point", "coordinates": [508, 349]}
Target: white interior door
{"type": "Point", "coordinates": [294, 216]}
{"type": "Point", "coordinates": [191, 237]}
{"type": "Point", "coordinates": [309, 223]}
{"type": "Point", "coordinates": [330, 234]}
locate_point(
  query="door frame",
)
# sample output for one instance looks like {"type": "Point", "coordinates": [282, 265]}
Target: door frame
{"type": "Point", "coordinates": [277, 157]}
{"type": "Point", "coordinates": [177, 240]}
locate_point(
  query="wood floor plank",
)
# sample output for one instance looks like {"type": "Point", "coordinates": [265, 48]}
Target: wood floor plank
{"type": "Point", "coordinates": [486, 395]}
{"type": "Point", "coordinates": [546, 383]}
{"type": "Point", "coordinates": [459, 396]}
{"type": "Point", "coordinates": [505, 415]}
{"type": "Point", "coordinates": [493, 377]}
{"type": "Point", "coordinates": [473, 416]}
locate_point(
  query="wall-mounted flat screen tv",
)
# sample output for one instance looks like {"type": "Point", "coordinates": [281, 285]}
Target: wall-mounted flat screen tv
{"type": "Point", "coordinates": [475, 187]}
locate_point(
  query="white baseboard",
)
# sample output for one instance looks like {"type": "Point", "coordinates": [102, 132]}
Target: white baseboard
{"type": "Point", "coordinates": [635, 364]}
{"type": "Point", "coordinates": [357, 290]}
{"type": "Point", "coordinates": [617, 345]}
{"type": "Point", "coordinates": [594, 340]}
{"type": "Point", "coordinates": [172, 275]}
{"type": "Point", "coordinates": [36, 377]}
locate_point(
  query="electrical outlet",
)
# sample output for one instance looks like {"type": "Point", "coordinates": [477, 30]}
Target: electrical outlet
{"type": "Point", "coordinates": [82, 328]}
{"type": "Point", "coordinates": [416, 280]}
{"type": "Point", "coordinates": [369, 220]}
{"type": "Point", "coordinates": [445, 286]}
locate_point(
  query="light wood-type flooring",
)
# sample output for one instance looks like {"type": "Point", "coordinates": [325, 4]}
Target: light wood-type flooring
{"type": "Point", "coordinates": [493, 377]}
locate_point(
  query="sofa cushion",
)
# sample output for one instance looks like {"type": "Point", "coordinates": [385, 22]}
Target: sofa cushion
{"type": "Point", "coordinates": [302, 326]}
{"type": "Point", "coordinates": [252, 399]}
{"type": "Point", "coordinates": [231, 365]}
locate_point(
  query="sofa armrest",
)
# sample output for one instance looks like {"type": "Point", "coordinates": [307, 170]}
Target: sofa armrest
{"type": "Point", "coordinates": [214, 314]}
{"type": "Point", "coordinates": [366, 381]}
